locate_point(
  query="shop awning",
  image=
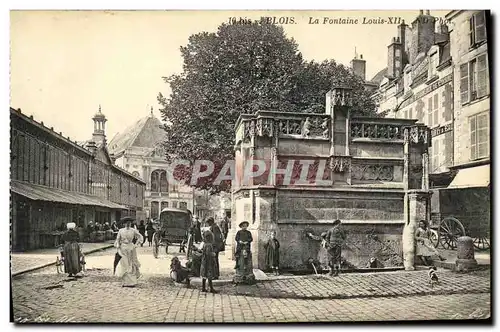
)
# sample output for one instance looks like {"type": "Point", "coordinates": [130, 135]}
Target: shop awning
{"type": "Point", "coordinates": [478, 176]}
{"type": "Point", "coordinates": [42, 193]}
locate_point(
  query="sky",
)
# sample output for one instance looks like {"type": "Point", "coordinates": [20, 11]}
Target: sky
{"type": "Point", "coordinates": [64, 64]}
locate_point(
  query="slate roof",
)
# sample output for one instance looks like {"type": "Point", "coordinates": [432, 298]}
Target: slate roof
{"type": "Point", "coordinates": [379, 76]}
{"type": "Point", "coordinates": [146, 133]}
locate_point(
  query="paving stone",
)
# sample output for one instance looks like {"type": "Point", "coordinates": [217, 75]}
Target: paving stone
{"type": "Point", "coordinates": [99, 297]}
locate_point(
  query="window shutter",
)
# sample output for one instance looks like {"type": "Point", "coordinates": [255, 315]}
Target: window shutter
{"type": "Point", "coordinates": [429, 113]}
{"type": "Point", "coordinates": [482, 76]}
{"type": "Point", "coordinates": [471, 30]}
{"type": "Point", "coordinates": [436, 108]}
{"type": "Point", "coordinates": [482, 135]}
{"type": "Point", "coordinates": [479, 27]}
{"type": "Point", "coordinates": [473, 138]}
{"type": "Point", "coordinates": [464, 83]}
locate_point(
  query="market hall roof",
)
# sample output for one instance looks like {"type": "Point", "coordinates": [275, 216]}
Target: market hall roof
{"type": "Point", "coordinates": [81, 146]}
{"type": "Point", "coordinates": [41, 193]}
{"type": "Point", "coordinates": [146, 133]}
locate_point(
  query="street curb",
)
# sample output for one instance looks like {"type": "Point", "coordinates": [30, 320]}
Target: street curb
{"type": "Point", "coordinates": [38, 267]}
{"type": "Point", "coordinates": [260, 276]}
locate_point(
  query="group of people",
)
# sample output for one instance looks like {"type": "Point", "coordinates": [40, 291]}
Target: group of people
{"type": "Point", "coordinates": [213, 240]}
{"type": "Point", "coordinates": [335, 237]}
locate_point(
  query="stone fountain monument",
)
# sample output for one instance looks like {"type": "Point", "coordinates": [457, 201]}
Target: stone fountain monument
{"type": "Point", "coordinates": [308, 169]}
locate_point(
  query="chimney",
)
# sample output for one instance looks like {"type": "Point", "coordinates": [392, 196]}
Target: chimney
{"type": "Point", "coordinates": [423, 34]}
{"type": "Point", "coordinates": [92, 147]}
{"type": "Point", "coordinates": [359, 67]}
{"type": "Point", "coordinates": [394, 58]}
{"type": "Point", "coordinates": [402, 31]}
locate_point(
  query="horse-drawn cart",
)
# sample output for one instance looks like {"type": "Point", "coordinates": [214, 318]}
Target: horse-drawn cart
{"type": "Point", "coordinates": [461, 212]}
{"type": "Point", "coordinates": [172, 229]}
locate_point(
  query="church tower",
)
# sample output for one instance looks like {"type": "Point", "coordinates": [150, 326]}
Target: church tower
{"type": "Point", "coordinates": [99, 134]}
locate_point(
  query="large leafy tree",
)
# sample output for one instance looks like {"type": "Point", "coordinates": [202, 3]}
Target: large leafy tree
{"type": "Point", "coordinates": [239, 69]}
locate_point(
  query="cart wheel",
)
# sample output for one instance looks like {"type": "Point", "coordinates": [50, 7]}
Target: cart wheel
{"type": "Point", "coordinates": [189, 246]}
{"type": "Point", "coordinates": [450, 229]}
{"type": "Point", "coordinates": [481, 243]}
{"type": "Point", "coordinates": [434, 238]}
{"type": "Point", "coordinates": [155, 245]}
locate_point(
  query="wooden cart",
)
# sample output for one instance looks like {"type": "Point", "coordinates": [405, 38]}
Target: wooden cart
{"type": "Point", "coordinates": [172, 229]}
{"type": "Point", "coordinates": [459, 212]}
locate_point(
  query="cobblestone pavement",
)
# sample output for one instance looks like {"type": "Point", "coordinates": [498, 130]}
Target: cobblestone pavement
{"type": "Point", "coordinates": [357, 285]}
{"type": "Point", "coordinates": [44, 296]}
{"type": "Point", "coordinates": [31, 259]}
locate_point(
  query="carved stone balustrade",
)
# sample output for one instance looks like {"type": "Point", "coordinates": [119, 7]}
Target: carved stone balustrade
{"type": "Point", "coordinates": [287, 125]}
{"type": "Point", "coordinates": [376, 130]}
{"type": "Point", "coordinates": [340, 164]}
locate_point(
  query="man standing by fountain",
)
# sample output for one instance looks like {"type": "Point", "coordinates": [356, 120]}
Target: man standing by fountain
{"type": "Point", "coordinates": [335, 238]}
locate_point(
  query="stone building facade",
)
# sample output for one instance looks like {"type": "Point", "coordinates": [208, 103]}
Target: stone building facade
{"type": "Point", "coordinates": [422, 89]}
{"type": "Point", "coordinates": [55, 181]}
{"type": "Point", "coordinates": [368, 172]}
{"type": "Point", "coordinates": [138, 150]}
{"type": "Point", "coordinates": [442, 80]}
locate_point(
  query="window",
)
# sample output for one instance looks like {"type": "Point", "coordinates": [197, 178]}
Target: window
{"type": "Point", "coordinates": [407, 81]}
{"type": "Point", "coordinates": [477, 28]}
{"type": "Point", "coordinates": [164, 205]}
{"type": "Point", "coordinates": [435, 112]}
{"type": "Point", "coordinates": [155, 213]}
{"type": "Point", "coordinates": [435, 156]}
{"type": "Point", "coordinates": [433, 63]}
{"type": "Point", "coordinates": [174, 205]}
{"type": "Point", "coordinates": [159, 182]}
{"type": "Point", "coordinates": [183, 205]}
{"type": "Point", "coordinates": [398, 52]}
{"type": "Point", "coordinates": [474, 79]}
{"type": "Point", "coordinates": [479, 136]}
{"type": "Point", "coordinates": [429, 113]}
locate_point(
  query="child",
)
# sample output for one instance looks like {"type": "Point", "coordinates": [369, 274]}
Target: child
{"type": "Point", "coordinates": [242, 236]}
{"type": "Point", "coordinates": [208, 263]}
{"type": "Point", "coordinates": [273, 253]}
{"type": "Point", "coordinates": [180, 273]}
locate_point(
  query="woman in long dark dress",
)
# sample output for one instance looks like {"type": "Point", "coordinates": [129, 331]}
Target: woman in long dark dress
{"type": "Point", "coordinates": [208, 264]}
{"type": "Point", "coordinates": [71, 250]}
{"type": "Point", "coordinates": [273, 253]}
{"type": "Point", "coordinates": [150, 230]}
{"type": "Point", "coordinates": [142, 230]}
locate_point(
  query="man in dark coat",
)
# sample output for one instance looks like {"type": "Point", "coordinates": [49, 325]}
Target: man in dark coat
{"type": "Point", "coordinates": [335, 238]}
{"type": "Point", "coordinates": [195, 229]}
{"type": "Point", "coordinates": [224, 225]}
{"type": "Point", "coordinates": [218, 243]}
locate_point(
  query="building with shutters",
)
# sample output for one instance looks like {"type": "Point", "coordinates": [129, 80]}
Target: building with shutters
{"type": "Point", "coordinates": [55, 181]}
{"type": "Point", "coordinates": [437, 72]}
{"type": "Point", "coordinates": [138, 150]}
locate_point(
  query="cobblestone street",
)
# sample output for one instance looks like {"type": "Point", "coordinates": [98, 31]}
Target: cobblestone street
{"type": "Point", "coordinates": [44, 296]}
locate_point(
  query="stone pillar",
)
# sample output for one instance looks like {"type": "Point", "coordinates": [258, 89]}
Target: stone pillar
{"type": "Point", "coordinates": [416, 208]}
{"type": "Point", "coordinates": [425, 170]}
{"type": "Point", "coordinates": [465, 256]}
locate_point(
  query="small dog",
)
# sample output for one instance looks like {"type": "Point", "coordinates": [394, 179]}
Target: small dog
{"type": "Point", "coordinates": [433, 277]}
{"type": "Point", "coordinates": [180, 273]}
